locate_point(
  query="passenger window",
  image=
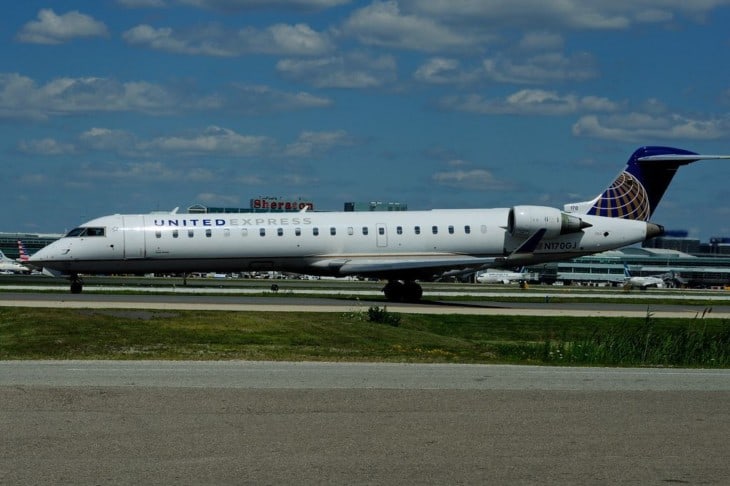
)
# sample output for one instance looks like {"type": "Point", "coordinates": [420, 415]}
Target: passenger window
{"type": "Point", "coordinates": [399, 230]}
{"type": "Point", "coordinates": [451, 230]}
{"type": "Point", "coordinates": [280, 231]}
{"type": "Point", "coordinates": [208, 233]}
{"type": "Point", "coordinates": [191, 233]}
{"type": "Point", "coordinates": [365, 230]}
{"type": "Point", "coordinates": [315, 231]}
{"type": "Point", "coordinates": [435, 229]}
{"type": "Point", "coordinates": [417, 230]}
{"type": "Point", "coordinates": [298, 231]}
{"type": "Point", "coordinates": [174, 233]}
{"type": "Point", "coordinates": [350, 231]}
{"type": "Point", "coordinates": [244, 231]}
{"type": "Point", "coordinates": [333, 231]}
{"type": "Point", "coordinates": [467, 229]}
{"type": "Point", "coordinates": [262, 231]}
{"type": "Point", "coordinates": [381, 231]}
{"type": "Point", "coordinates": [158, 234]}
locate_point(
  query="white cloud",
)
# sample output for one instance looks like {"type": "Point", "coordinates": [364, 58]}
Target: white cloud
{"type": "Point", "coordinates": [212, 141]}
{"type": "Point", "coordinates": [541, 41]}
{"type": "Point", "coordinates": [642, 127]}
{"type": "Point", "coordinates": [46, 146]}
{"type": "Point", "coordinates": [439, 70]}
{"type": "Point", "coordinates": [383, 24]}
{"type": "Point", "coordinates": [528, 102]}
{"type": "Point", "coordinates": [545, 68]}
{"type": "Point", "coordinates": [236, 5]}
{"type": "Point", "coordinates": [22, 97]}
{"type": "Point", "coordinates": [571, 14]}
{"type": "Point", "coordinates": [312, 143]}
{"type": "Point", "coordinates": [142, 3]}
{"type": "Point", "coordinates": [107, 140]}
{"type": "Point", "coordinates": [475, 179]}
{"type": "Point", "coordinates": [253, 100]}
{"type": "Point", "coordinates": [57, 29]}
{"type": "Point", "coordinates": [214, 198]}
{"type": "Point", "coordinates": [213, 40]}
{"type": "Point", "coordinates": [354, 70]}
{"type": "Point", "coordinates": [549, 67]}
{"type": "Point", "coordinates": [144, 171]}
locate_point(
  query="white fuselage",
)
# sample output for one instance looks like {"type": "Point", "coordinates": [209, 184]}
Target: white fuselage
{"type": "Point", "coordinates": [319, 243]}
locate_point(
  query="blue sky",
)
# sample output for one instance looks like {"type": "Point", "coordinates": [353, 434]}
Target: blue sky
{"type": "Point", "coordinates": [125, 106]}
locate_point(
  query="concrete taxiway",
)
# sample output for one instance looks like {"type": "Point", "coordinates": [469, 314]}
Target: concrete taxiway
{"type": "Point", "coordinates": [89, 422]}
{"type": "Point", "coordinates": [487, 306]}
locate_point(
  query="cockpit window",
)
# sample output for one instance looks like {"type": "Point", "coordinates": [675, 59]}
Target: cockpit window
{"type": "Point", "coordinates": [89, 231]}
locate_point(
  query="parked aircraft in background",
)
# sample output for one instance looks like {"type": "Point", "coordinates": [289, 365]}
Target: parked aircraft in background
{"type": "Point", "coordinates": [666, 279]}
{"type": "Point", "coordinates": [400, 246]}
{"type": "Point", "coordinates": [641, 282]}
{"type": "Point", "coordinates": [21, 251]}
{"type": "Point", "coordinates": [8, 265]}
{"type": "Point", "coordinates": [493, 275]}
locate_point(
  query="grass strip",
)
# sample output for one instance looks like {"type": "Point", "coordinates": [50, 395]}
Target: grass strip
{"type": "Point", "coordinates": [362, 335]}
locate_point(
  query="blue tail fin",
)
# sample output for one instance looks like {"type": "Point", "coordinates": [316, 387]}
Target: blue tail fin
{"type": "Point", "coordinates": [637, 190]}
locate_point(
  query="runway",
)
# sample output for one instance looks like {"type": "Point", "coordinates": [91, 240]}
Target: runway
{"type": "Point", "coordinates": [233, 422]}
{"type": "Point", "coordinates": [487, 305]}
{"type": "Point", "coordinates": [331, 423]}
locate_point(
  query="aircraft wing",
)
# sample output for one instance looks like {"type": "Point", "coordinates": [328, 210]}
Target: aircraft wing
{"type": "Point", "coordinates": [419, 267]}
{"type": "Point", "coordinates": [414, 267]}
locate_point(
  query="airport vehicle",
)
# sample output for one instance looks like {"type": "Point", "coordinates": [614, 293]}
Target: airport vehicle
{"type": "Point", "coordinates": [401, 247]}
{"type": "Point", "coordinates": [8, 265]}
{"type": "Point", "coordinates": [492, 275]}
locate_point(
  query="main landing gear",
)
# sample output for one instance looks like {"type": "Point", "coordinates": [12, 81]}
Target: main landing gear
{"type": "Point", "coordinates": [77, 285]}
{"type": "Point", "coordinates": [405, 291]}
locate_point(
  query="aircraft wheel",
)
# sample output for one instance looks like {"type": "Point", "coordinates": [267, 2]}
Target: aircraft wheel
{"type": "Point", "coordinates": [76, 286]}
{"type": "Point", "coordinates": [394, 291]}
{"type": "Point", "coordinates": [412, 292]}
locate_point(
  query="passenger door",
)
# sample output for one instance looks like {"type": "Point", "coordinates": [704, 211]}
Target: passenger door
{"type": "Point", "coordinates": [134, 239]}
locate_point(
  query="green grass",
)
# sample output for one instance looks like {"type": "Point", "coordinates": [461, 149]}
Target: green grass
{"type": "Point", "coordinates": [27, 333]}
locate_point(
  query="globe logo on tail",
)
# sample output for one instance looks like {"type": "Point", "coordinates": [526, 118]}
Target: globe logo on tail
{"type": "Point", "coordinates": [626, 198]}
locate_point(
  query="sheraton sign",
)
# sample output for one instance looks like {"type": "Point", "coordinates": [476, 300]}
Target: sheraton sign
{"type": "Point", "coordinates": [278, 204]}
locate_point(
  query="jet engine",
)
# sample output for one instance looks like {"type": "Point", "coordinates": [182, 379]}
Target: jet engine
{"type": "Point", "coordinates": [524, 221]}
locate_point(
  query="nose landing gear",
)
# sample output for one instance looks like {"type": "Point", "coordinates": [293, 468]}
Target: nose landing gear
{"type": "Point", "coordinates": [77, 285]}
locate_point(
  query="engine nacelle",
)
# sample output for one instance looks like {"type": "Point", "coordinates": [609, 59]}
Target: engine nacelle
{"type": "Point", "coordinates": [523, 221]}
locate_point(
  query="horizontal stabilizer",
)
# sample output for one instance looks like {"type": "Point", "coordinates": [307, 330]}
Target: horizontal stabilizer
{"type": "Point", "coordinates": [681, 158]}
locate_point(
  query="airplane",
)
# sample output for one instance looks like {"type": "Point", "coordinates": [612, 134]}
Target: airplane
{"type": "Point", "coordinates": [402, 247]}
{"type": "Point", "coordinates": [8, 265]}
{"type": "Point", "coordinates": [492, 275]}
{"type": "Point", "coordinates": [659, 281]}
{"type": "Point", "coordinates": [21, 251]}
